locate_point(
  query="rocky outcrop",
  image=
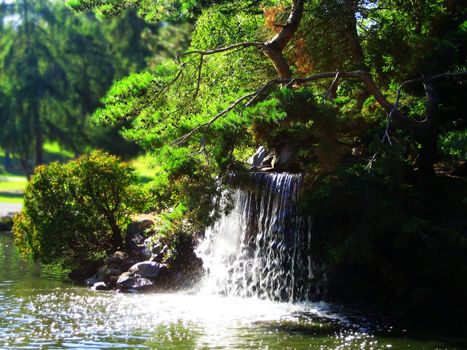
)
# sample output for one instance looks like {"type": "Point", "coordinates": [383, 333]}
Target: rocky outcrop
{"type": "Point", "coordinates": [282, 159]}
{"type": "Point", "coordinates": [136, 236]}
{"type": "Point", "coordinates": [143, 275]}
{"type": "Point", "coordinates": [140, 267]}
{"type": "Point", "coordinates": [285, 159]}
{"type": "Point", "coordinates": [131, 282]}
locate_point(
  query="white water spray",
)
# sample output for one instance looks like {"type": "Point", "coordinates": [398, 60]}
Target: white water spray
{"type": "Point", "coordinates": [262, 248]}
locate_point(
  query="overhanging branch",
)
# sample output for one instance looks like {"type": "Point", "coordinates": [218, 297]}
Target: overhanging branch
{"type": "Point", "coordinates": [391, 109]}
{"type": "Point", "coordinates": [202, 53]}
{"type": "Point", "coordinates": [208, 124]}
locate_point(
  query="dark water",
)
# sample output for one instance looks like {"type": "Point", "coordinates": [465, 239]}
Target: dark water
{"type": "Point", "coordinates": [39, 309]}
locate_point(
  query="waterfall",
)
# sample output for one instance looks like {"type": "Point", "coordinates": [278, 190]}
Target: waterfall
{"type": "Point", "coordinates": [262, 248]}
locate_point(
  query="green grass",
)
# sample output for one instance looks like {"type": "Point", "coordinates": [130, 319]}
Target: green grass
{"type": "Point", "coordinates": [144, 168]}
{"type": "Point", "coordinates": [12, 188]}
{"type": "Point", "coordinates": [52, 150]}
{"type": "Point", "coordinates": [13, 199]}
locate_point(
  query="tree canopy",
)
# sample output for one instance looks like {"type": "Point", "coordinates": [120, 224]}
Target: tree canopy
{"type": "Point", "coordinates": [394, 68]}
{"type": "Point", "coordinates": [55, 68]}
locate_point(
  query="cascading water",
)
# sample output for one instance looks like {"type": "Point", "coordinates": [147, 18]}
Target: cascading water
{"type": "Point", "coordinates": [262, 248]}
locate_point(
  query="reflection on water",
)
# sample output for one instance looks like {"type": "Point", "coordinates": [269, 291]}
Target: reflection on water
{"type": "Point", "coordinates": [40, 310]}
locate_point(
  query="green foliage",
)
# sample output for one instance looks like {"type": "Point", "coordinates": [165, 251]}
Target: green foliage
{"type": "Point", "coordinates": [59, 66]}
{"type": "Point", "coordinates": [389, 241]}
{"type": "Point", "coordinates": [175, 234]}
{"type": "Point", "coordinates": [384, 236]}
{"type": "Point", "coordinates": [76, 212]}
{"type": "Point", "coordinates": [150, 10]}
{"type": "Point", "coordinates": [454, 144]}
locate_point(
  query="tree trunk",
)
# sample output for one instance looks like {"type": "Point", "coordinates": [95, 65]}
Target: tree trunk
{"type": "Point", "coordinates": [355, 47]}
{"type": "Point", "coordinates": [274, 48]}
{"type": "Point", "coordinates": [428, 152]}
{"type": "Point", "coordinates": [38, 137]}
{"type": "Point", "coordinates": [7, 160]}
{"type": "Point", "coordinates": [116, 239]}
{"type": "Point", "coordinates": [428, 135]}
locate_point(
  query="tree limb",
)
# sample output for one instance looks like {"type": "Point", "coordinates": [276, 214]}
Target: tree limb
{"type": "Point", "coordinates": [274, 47]}
{"type": "Point", "coordinates": [391, 109]}
{"type": "Point", "coordinates": [208, 124]}
{"type": "Point", "coordinates": [258, 44]}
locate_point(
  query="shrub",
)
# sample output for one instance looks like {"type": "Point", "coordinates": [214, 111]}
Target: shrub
{"type": "Point", "coordinates": [75, 212]}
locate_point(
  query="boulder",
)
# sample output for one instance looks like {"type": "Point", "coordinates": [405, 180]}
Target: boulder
{"type": "Point", "coordinates": [131, 281]}
{"type": "Point", "coordinates": [108, 274]}
{"type": "Point", "coordinates": [116, 258]}
{"type": "Point", "coordinates": [91, 281]}
{"type": "Point", "coordinates": [261, 160]}
{"type": "Point", "coordinates": [120, 260]}
{"type": "Point", "coordinates": [99, 286]}
{"type": "Point", "coordinates": [257, 159]}
{"type": "Point", "coordinates": [147, 269]}
{"type": "Point", "coordinates": [157, 250]}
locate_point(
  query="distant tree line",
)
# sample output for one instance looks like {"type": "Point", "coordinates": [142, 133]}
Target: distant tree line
{"type": "Point", "coordinates": [55, 66]}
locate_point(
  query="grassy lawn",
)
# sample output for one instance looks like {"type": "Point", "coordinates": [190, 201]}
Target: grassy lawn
{"type": "Point", "coordinates": [53, 152]}
{"type": "Point", "coordinates": [12, 188]}
{"type": "Point", "coordinates": [144, 168]}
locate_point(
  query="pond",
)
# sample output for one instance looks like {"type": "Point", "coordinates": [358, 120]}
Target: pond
{"type": "Point", "coordinates": [40, 309]}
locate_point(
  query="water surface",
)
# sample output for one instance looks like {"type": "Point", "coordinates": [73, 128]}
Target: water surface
{"type": "Point", "coordinates": [40, 309]}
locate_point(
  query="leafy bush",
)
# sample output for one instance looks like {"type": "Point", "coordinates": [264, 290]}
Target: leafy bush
{"type": "Point", "coordinates": [75, 212]}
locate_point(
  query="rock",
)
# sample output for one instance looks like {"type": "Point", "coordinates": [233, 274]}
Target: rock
{"type": "Point", "coordinates": [91, 281]}
{"type": "Point", "coordinates": [147, 269]}
{"type": "Point", "coordinates": [285, 159]}
{"type": "Point", "coordinates": [106, 273]}
{"type": "Point", "coordinates": [195, 264]}
{"type": "Point", "coordinates": [120, 260]}
{"type": "Point", "coordinates": [116, 258]}
{"type": "Point", "coordinates": [128, 281]}
{"type": "Point", "coordinates": [99, 286]}
{"type": "Point", "coordinates": [261, 160]}
{"type": "Point", "coordinates": [157, 251]}
{"type": "Point", "coordinates": [137, 233]}
{"type": "Point", "coordinates": [88, 268]}
{"type": "Point", "coordinates": [257, 159]}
